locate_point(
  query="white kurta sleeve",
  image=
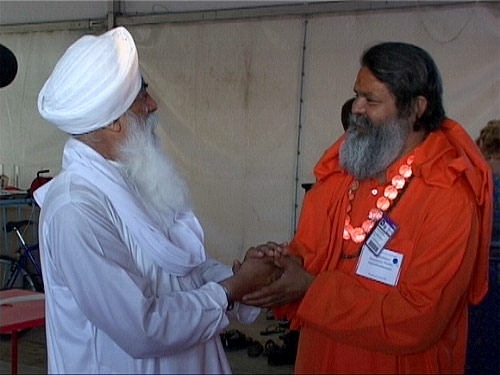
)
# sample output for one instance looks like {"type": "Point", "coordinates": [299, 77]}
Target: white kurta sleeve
{"type": "Point", "coordinates": [93, 261]}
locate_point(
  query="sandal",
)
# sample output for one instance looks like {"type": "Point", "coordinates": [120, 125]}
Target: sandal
{"type": "Point", "coordinates": [285, 355]}
{"type": "Point", "coordinates": [283, 323]}
{"type": "Point", "coordinates": [270, 347]}
{"type": "Point", "coordinates": [234, 340]}
{"type": "Point", "coordinates": [255, 349]}
{"type": "Point", "coordinates": [272, 329]}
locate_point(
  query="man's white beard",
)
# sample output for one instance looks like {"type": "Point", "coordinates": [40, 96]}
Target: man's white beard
{"type": "Point", "coordinates": [370, 149]}
{"type": "Point", "coordinates": [150, 172]}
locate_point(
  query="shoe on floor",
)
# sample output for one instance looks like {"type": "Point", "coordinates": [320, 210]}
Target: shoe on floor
{"type": "Point", "coordinates": [255, 349]}
{"type": "Point", "coordinates": [285, 354]}
{"type": "Point", "coordinates": [235, 340]}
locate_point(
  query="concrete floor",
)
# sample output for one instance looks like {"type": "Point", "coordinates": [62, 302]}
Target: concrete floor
{"type": "Point", "coordinates": [32, 351]}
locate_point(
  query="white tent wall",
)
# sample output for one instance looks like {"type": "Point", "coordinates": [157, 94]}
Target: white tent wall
{"type": "Point", "coordinates": [26, 141]}
{"type": "Point", "coordinates": [229, 95]}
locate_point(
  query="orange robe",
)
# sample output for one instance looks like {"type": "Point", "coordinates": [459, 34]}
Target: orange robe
{"type": "Point", "coordinates": [351, 324]}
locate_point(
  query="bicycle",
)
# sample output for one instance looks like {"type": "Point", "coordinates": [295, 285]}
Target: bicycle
{"type": "Point", "coordinates": [13, 267]}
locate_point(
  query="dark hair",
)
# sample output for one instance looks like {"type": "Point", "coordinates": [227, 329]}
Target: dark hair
{"type": "Point", "coordinates": [408, 71]}
{"type": "Point", "coordinates": [346, 112]}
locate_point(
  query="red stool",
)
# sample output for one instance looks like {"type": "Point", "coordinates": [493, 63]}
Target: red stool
{"type": "Point", "coordinates": [20, 309]}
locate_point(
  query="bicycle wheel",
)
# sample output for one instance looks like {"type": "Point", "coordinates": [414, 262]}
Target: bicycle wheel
{"type": "Point", "coordinates": [6, 263]}
{"type": "Point", "coordinates": [23, 280]}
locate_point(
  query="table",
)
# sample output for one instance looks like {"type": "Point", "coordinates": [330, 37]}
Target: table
{"type": "Point", "coordinates": [20, 309]}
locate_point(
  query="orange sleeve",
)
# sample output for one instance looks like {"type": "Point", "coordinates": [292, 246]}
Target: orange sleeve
{"type": "Point", "coordinates": [289, 311]}
{"type": "Point", "coordinates": [314, 232]}
{"type": "Point", "coordinates": [413, 315]}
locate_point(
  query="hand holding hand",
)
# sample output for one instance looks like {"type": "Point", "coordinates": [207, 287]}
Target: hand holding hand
{"type": "Point", "coordinates": [251, 275]}
{"type": "Point", "coordinates": [292, 285]}
{"type": "Point", "coordinates": [269, 249]}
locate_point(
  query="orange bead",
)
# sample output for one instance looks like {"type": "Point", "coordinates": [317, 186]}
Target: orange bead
{"type": "Point", "coordinates": [358, 235]}
{"type": "Point", "coordinates": [367, 225]}
{"type": "Point", "coordinates": [405, 171]}
{"type": "Point", "coordinates": [383, 203]}
{"type": "Point", "coordinates": [391, 192]}
{"type": "Point", "coordinates": [375, 214]}
{"type": "Point", "coordinates": [347, 231]}
{"type": "Point", "coordinates": [398, 182]}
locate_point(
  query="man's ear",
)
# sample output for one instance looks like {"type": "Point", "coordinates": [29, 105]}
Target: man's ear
{"type": "Point", "coordinates": [115, 126]}
{"type": "Point", "coordinates": [420, 106]}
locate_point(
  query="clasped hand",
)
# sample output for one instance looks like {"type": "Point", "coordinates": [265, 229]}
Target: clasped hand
{"type": "Point", "coordinates": [251, 275]}
{"type": "Point", "coordinates": [288, 279]}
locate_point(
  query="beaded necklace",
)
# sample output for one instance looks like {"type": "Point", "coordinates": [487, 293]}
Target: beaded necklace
{"type": "Point", "coordinates": [391, 192]}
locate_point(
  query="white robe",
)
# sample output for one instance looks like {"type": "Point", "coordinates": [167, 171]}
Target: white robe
{"type": "Point", "coordinates": [110, 308]}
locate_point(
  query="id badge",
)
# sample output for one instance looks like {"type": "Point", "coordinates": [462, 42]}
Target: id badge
{"type": "Point", "coordinates": [381, 235]}
{"type": "Point", "coordinates": [384, 268]}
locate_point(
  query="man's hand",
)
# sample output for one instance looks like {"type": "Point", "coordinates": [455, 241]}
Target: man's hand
{"type": "Point", "coordinates": [291, 286]}
{"type": "Point", "coordinates": [251, 275]}
{"type": "Point", "coordinates": [269, 249]}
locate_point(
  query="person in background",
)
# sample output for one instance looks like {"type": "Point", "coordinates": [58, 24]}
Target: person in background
{"type": "Point", "coordinates": [484, 323]}
{"type": "Point", "coordinates": [393, 238]}
{"type": "Point", "coordinates": [346, 113]}
{"type": "Point", "coordinates": [489, 143]}
{"type": "Point", "coordinates": [129, 287]}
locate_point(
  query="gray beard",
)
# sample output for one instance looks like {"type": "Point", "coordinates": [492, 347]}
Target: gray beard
{"type": "Point", "coordinates": [150, 173]}
{"type": "Point", "coordinates": [370, 149]}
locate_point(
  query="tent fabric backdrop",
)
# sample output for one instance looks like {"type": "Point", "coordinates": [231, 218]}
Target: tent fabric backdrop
{"type": "Point", "coordinates": [229, 96]}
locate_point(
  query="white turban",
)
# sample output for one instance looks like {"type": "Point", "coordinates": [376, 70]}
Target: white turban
{"type": "Point", "coordinates": [94, 83]}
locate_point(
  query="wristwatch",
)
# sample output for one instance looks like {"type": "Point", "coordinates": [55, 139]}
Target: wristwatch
{"type": "Point", "coordinates": [230, 302]}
